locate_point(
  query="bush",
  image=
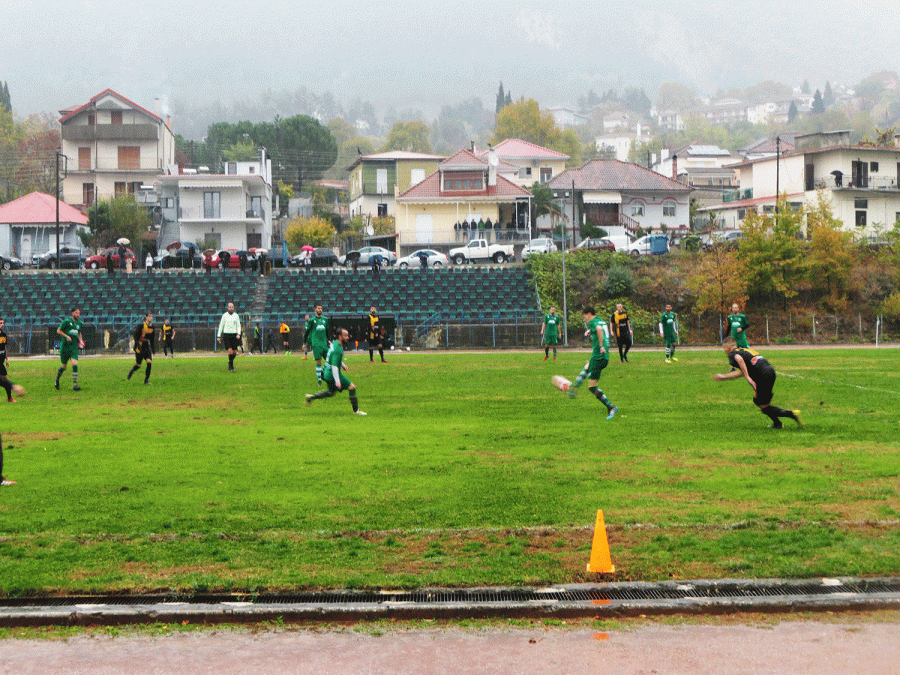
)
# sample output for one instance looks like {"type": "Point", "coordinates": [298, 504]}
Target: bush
{"type": "Point", "coordinates": [619, 282]}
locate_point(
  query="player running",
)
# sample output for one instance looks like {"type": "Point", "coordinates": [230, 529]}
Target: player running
{"type": "Point", "coordinates": [166, 336]}
{"type": "Point", "coordinates": [334, 378]}
{"type": "Point", "coordinates": [550, 332]}
{"type": "Point", "coordinates": [144, 346]}
{"type": "Point", "coordinates": [598, 329]}
{"type": "Point", "coordinates": [70, 333]}
{"type": "Point", "coordinates": [668, 331]}
{"type": "Point", "coordinates": [760, 375]}
{"type": "Point", "coordinates": [318, 330]}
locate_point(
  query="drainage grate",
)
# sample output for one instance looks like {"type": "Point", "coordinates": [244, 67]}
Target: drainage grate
{"type": "Point", "coordinates": [609, 593]}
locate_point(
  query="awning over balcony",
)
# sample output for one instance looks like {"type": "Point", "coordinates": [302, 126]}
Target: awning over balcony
{"type": "Point", "coordinates": [602, 197]}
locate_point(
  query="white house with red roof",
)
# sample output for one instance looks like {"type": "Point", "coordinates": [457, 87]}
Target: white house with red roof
{"type": "Point", "coordinates": [535, 164]}
{"type": "Point", "coordinates": [621, 197]}
{"type": "Point", "coordinates": [113, 146]}
{"type": "Point", "coordinates": [465, 190]}
{"type": "Point", "coordinates": [28, 226]}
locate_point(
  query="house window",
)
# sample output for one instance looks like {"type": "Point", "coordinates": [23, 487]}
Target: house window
{"type": "Point", "coordinates": [860, 203]}
{"type": "Point", "coordinates": [476, 183]}
{"type": "Point", "coordinates": [115, 117]}
{"type": "Point", "coordinates": [546, 174]}
{"type": "Point", "coordinates": [92, 119]}
{"type": "Point", "coordinates": [256, 207]}
{"type": "Point", "coordinates": [669, 209]}
{"type": "Point", "coordinates": [637, 210]}
{"type": "Point", "coordinates": [212, 204]}
{"type": "Point", "coordinates": [860, 218]}
{"type": "Point", "coordinates": [382, 210]}
{"type": "Point", "coordinates": [525, 172]}
{"type": "Point", "coordinates": [87, 193]}
{"type": "Point", "coordinates": [741, 214]}
{"type": "Point", "coordinates": [168, 202]}
{"type": "Point", "coordinates": [873, 167]}
{"type": "Point", "coordinates": [129, 157]}
{"type": "Point", "coordinates": [84, 158]}
{"type": "Point", "coordinates": [119, 188]}
{"type": "Point", "coordinates": [768, 208]}
{"type": "Point", "coordinates": [232, 168]}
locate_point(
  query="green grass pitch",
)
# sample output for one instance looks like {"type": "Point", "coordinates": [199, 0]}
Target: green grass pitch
{"type": "Point", "coordinates": [470, 469]}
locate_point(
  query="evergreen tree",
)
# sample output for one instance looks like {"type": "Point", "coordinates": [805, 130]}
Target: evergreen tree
{"type": "Point", "coordinates": [805, 88]}
{"type": "Point", "coordinates": [501, 100]}
{"type": "Point", "coordinates": [817, 106]}
{"type": "Point", "coordinates": [792, 112]}
{"type": "Point", "coordinates": [828, 96]}
{"type": "Point", "coordinates": [5, 103]}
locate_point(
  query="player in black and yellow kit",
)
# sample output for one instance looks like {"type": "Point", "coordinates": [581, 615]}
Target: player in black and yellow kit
{"type": "Point", "coordinates": [760, 375]}
{"type": "Point", "coordinates": [144, 346]}
{"type": "Point", "coordinates": [5, 382]}
{"type": "Point", "coordinates": [167, 334]}
{"type": "Point", "coordinates": [375, 336]}
{"type": "Point", "coordinates": [621, 326]}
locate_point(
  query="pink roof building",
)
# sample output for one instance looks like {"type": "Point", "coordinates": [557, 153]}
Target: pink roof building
{"type": "Point", "coordinates": [28, 225]}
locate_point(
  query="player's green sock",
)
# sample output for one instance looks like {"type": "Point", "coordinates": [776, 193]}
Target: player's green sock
{"type": "Point", "coordinates": [74, 374]}
{"type": "Point", "coordinates": [596, 391]}
{"type": "Point", "coordinates": [319, 373]}
{"type": "Point", "coordinates": [581, 376]}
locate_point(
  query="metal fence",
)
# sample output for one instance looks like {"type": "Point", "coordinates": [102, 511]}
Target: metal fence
{"type": "Point", "coordinates": [452, 330]}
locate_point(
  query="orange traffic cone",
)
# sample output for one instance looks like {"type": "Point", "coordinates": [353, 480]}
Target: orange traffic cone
{"type": "Point", "coordinates": [600, 559]}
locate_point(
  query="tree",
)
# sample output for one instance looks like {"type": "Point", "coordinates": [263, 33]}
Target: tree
{"type": "Point", "coordinates": [828, 96]}
{"type": "Point", "coordinates": [805, 88]}
{"type": "Point", "coordinates": [313, 231]}
{"type": "Point", "coordinates": [5, 103]}
{"type": "Point", "coordinates": [525, 121]}
{"type": "Point", "coordinates": [11, 136]}
{"type": "Point", "coordinates": [771, 252]}
{"type": "Point", "coordinates": [113, 219]}
{"type": "Point", "coordinates": [817, 106]}
{"type": "Point", "coordinates": [792, 112]}
{"type": "Point", "coordinates": [409, 136]}
{"type": "Point", "coordinates": [831, 256]}
{"type": "Point", "coordinates": [543, 204]}
{"type": "Point", "coordinates": [675, 96]}
{"type": "Point", "coordinates": [718, 281]}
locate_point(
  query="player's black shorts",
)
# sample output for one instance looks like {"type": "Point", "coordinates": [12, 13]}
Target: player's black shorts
{"type": "Point", "coordinates": [375, 341]}
{"type": "Point", "coordinates": [765, 382]}
{"type": "Point", "coordinates": [624, 339]}
{"type": "Point", "coordinates": [230, 341]}
{"type": "Point", "coordinates": [143, 352]}
{"type": "Point", "coordinates": [3, 372]}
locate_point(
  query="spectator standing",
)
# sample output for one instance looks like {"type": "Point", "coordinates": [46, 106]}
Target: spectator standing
{"type": "Point", "coordinates": [307, 261]}
{"type": "Point", "coordinates": [148, 263]}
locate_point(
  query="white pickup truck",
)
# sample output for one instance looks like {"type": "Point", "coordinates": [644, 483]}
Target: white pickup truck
{"type": "Point", "coordinates": [480, 249]}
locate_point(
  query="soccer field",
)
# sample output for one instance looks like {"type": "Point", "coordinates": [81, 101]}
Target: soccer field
{"type": "Point", "coordinates": [470, 469]}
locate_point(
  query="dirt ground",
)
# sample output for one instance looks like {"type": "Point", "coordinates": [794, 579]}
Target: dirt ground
{"type": "Point", "coordinates": [759, 647]}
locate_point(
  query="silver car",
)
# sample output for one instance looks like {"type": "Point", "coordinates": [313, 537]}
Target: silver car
{"type": "Point", "coordinates": [414, 259]}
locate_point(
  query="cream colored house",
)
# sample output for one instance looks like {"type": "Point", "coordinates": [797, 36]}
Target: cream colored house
{"type": "Point", "coordinates": [535, 164]}
{"type": "Point", "coordinates": [113, 146]}
{"type": "Point", "coordinates": [375, 180]}
{"type": "Point", "coordinates": [465, 189]}
{"type": "Point", "coordinates": [861, 184]}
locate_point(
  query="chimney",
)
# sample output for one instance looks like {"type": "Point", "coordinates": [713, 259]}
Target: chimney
{"type": "Point", "coordinates": [472, 147]}
{"type": "Point", "coordinates": [493, 162]}
{"type": "Point", "coordinates": [674, 167]}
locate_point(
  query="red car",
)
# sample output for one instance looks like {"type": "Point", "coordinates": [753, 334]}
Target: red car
{"type": "Point", "coordinates": [95, 262]}
{"type": "Point", "coordinates": [598, 244]}
{"type": "Point", "coordinates": [234, 262]}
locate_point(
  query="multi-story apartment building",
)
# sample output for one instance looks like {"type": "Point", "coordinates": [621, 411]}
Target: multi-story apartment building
{"type": "Point", "coordinates": [113, 146]}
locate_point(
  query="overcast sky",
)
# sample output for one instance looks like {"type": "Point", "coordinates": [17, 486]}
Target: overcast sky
{"type": "Point", "coordinates": [421, 55]}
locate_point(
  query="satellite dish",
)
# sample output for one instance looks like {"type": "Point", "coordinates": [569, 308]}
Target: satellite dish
{"type": "Point", "coordinates": [370, 230]}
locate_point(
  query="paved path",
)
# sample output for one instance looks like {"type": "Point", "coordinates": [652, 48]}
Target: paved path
{"type": "Point", "coordinates": [792, 648]}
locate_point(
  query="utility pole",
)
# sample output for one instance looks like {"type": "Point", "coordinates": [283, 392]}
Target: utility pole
{"type": "Point", "coordinates": [777, 172]}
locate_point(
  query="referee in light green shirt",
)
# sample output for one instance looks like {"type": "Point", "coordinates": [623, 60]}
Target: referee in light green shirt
{"type": "Point", "coordinates": [229, 333]}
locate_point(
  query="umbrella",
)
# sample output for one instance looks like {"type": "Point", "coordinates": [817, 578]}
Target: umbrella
{"type": "Point", "coordinates": [307, 247]}
{"type": "Point", "coordinates": [174, 246]}
{"type": "Point", "coordinates": [209, 252]}
{"type": "Point", "coordinates": [123, 241]}
{"type": "Point", "coordinates": [259, 251]}
{"type": "Point", "coordinates": [353, 255]}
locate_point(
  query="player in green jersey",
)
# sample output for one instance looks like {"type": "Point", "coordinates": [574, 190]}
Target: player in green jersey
{"type": "Point", "coordinates": [334, 378]}
{"type": "Point", "coordinates": [70, 341]}
{"type": "Point", "coordinates": [598, 329]}
{"type": "Point", "coordinates": [550, 332]}
{"type": "Point", "coordinates": [318, 334]}
{"type": "Point", "coordinates": [738, 324]}
{"type": "Point", "coordinates": [668, 331]}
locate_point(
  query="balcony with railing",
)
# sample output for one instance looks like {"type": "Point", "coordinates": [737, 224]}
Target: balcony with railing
{"type": "Point", "coordinates": [738, 195]}
{"type": "Point", "coordinates": [109, 132]}
{"type": "Point", "coordinates": [846, 182]}
{"type": "Point", "coordinates": [224, 214]}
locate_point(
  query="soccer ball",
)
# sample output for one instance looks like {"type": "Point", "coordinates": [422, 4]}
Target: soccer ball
{"type": "Point", "coordinates": [561, 383]}
{"type": "Point", "coordinates": [407, 349]}
{"type": "Point", "coordinates": [19, 389]}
